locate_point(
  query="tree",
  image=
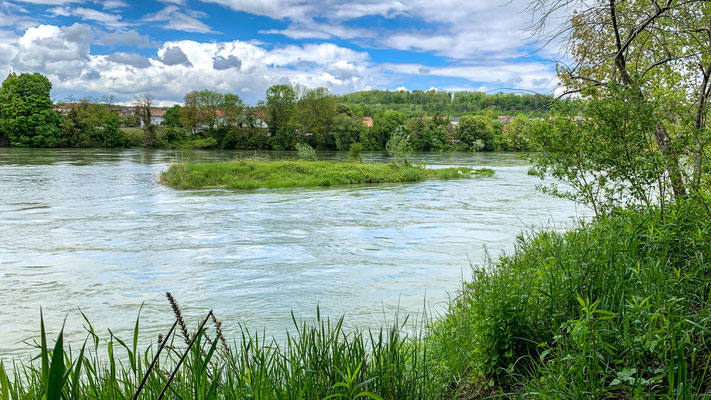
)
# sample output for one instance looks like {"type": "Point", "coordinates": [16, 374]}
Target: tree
{"type": "Point", "coordinates": [473, 129]}
{"type": "Point", "coordinates": [111, 136]}
{"type": "Point", "coordinates": [190, 113]}
{"type": "Point", "coordinates": [384, 124]}
{"type": "Point", "coordinates": [209, 104]}
{"type": "Point", "coordinates": [518, 134]}
{"type": "Point", "coordinates": [317, 109]}
{"type": "Point", "coordinates": [651, 57]}
{"type": "Point", "coordinates": [81, 125]}
{"type": "Point", "coordinates": [232, 111]}
{"type": "Point", "coordinates": [281, 107]}
{"type": "Point", "coordinates": [171, 119]}
{"type": "Point", "coordinates": [26, 111]}
{"type": "Point", "coordinates": [345, 131]}
{"type": "Point", "coordinates": [144, 103]}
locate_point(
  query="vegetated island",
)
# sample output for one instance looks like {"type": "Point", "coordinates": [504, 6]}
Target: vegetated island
{"type": "Point", "coordinates": [250, 174]}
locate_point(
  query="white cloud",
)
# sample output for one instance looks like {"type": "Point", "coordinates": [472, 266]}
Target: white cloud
{"type": "Point", "coordinates": [455, 29]}
{"type": "Point", "coordinates": [175, 19]}
{"type": "Point", "coordinates": [89, 14]}
{"type": "Point", "coordinates": [113, 4]}
{"type": "Point", "coordinates": [63, 53]}
{"type": "Point", "coordinates": [51, 49]}
{"type": "Point", "coordinates": [511, 75]}
{"type": "Point", "coordinates": [51, 2]}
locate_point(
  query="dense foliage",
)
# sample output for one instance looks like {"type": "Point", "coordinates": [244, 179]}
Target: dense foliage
{"type": "Point", "coordinates": [26, 115]}
{"type": "Point", "coordinates": [289, 116]}
{"type": "Point", "coordinates": [418, 103]}
{"type": "Point", "coordinates": [644, 70]}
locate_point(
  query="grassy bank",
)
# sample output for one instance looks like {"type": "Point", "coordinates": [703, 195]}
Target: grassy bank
{"type": "Point", "coordinates": [248, 174]}
{"type": "Point", "coordinates": [616, 308]}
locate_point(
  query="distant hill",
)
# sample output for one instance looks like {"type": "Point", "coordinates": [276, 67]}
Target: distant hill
{"type": "Point", "coordinates": [418, 102]}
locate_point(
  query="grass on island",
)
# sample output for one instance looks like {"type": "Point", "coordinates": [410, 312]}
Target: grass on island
{"type": "Point", "coordinates": [617, 308]}
{"type": "Point", "coordinates": [249, 174]}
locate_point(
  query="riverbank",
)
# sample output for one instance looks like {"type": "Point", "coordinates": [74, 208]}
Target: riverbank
{"type": "Point", "coordinates": [250, 174]}
{"type": "Point", "coordinates": [616, 308]}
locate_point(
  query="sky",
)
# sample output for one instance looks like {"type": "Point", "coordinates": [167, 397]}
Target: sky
{"type": "Point", "coordinates": [170, 47]}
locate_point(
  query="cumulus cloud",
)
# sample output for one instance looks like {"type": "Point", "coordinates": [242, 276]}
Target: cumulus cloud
{"type": "Point", "coordinates": [221, 63]}
{"type": "Point", "coordinates": [174, 56]}
{"type": "Point", "coordinates": [133, 59]}
{"type": "Point", "coordinates": [54, 50]}
{"type": "Point", "coordinates": [63, 53]}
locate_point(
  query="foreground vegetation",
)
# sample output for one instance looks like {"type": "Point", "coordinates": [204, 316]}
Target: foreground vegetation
{"type": "Point", "coordinates": [248, 174]}
{"type": "Point", "coordinates": [616, 308]}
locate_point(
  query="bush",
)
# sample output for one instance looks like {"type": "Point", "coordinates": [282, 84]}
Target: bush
{"type": "Point", "coordinates": [399, 146]}
{"type": "Point", "coordinates": [306, 152]}
{"type": "Point", "coordinates": [354, 152]}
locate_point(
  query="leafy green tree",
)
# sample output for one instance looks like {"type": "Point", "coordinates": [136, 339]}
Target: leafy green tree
{"type": "Point", "coordinates": [26, 111]}
{"type": "Point", "coordinates": [441, 138]}
{"type": "Point", "coordinates": [171, 118]}
{"type": "Point", "coordinates": [190, 113]}
{"type": "Point", "coordinates": [473, 128]}
{"type": "Point", "coordinates": [111, 134]}
{"type": "Point", "coordinates": [384, 124]}
{"type": "Point", "coordinates": [82, 123]}
{"type": "Point", "coordinates": [317, 109]}
{"type": "Point", "coordinates": [306, 152]}
{"type": "Point", "coordinates": [232, 111]}
{"type": "Point", "coordinates": [641, 56]}
{"type": "Point", "coordinates": [421, 135]}
{"type": "Point", "coordinates": [281, 107]}
{"type": "Point", "coordinates": [209, 103]}
{"type": "Point", "coordinates": [519, 133]}
{"type": "Point", "coordinates": [345, 131]}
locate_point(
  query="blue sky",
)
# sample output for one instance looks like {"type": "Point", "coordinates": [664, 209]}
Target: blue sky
{"type": "Point", "coordinates": [169, 47]}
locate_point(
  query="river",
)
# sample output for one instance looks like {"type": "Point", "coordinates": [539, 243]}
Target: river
{"type": "Point", "coordinates": [92, 230]}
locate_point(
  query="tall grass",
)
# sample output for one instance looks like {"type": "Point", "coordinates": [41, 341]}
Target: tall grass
{"type": "Point", "coordinates": [320, 361]}
{"type": "Point", "coordinates": [246, 174]}
{"type": "Point", "coordinates": [617, 308]}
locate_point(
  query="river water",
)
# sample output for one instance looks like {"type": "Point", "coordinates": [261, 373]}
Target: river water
{"type": "Point", "coordinates": [92, 230]}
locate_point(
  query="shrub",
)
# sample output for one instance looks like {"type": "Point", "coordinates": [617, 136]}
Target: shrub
{"type": "Point", "coordinates": [306, 152]}
{"type": "Point", "coordinates": [354, 152]}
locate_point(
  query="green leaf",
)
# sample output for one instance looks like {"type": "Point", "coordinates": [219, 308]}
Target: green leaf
{"type": "Point", "coordinates": [56, 370]}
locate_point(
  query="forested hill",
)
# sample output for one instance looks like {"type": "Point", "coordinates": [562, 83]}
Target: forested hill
{"type": "Point", "coordinates": [418, 102]}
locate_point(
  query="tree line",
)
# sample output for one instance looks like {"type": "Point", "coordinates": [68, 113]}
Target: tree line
{"type": "Point", "coordinates": [289, 115]}
{"type": "Point", "coordinates": [418, 103]}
